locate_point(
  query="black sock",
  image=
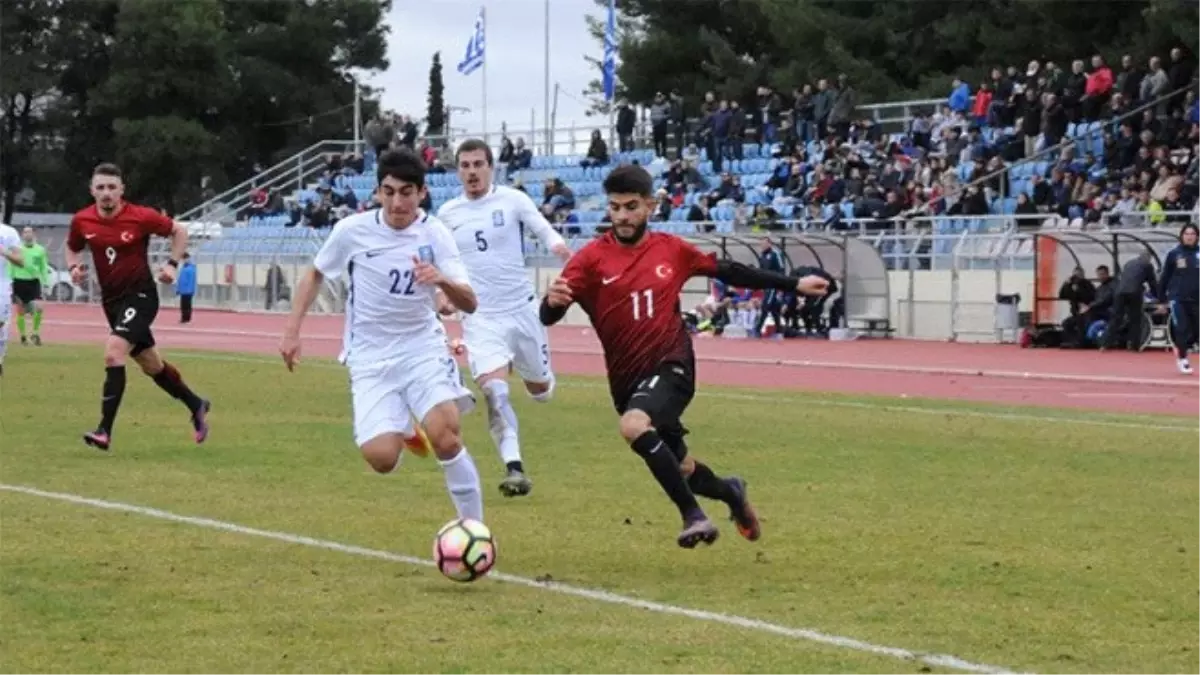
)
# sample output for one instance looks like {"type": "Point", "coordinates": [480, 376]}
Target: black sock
{"type": "Point", "coordinates": [515, 466]}
{"type": "Point", "coordinates": [114, 390]}
{"type": "Point", "coordinates": [665, 468]}
{"type": "Point", "coordinates": [707, 484]}
{"type": "Point", "coordinates": [169, 380]}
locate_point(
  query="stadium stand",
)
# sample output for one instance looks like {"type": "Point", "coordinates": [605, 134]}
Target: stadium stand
{"type": "Point", "coordinates": [1032, 148]}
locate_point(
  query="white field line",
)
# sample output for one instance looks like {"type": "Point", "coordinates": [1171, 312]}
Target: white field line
{"type": "Point", "coordinates": [797, 634]}
{"type": "Point", "coordinates": [750, 360]}
{"type": "Point", "coordinates": [786, 396]}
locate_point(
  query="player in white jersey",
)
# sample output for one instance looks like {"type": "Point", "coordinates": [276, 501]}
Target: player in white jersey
{"type": "Point", "coordinates": [488, 222]}
{"type": "Point", "coordinates": [10, 254]}
{"type": "Point", "coordinates": [394, 259]}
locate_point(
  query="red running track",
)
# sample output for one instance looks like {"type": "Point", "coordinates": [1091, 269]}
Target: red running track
{"type": "Point", "coordinates": [1006, 374]}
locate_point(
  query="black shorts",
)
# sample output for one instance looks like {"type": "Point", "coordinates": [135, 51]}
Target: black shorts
{"type": "Point", "coordinates": [26, 291]}
{"type": "Point", "coordinates": [131, 318]}
{"type": "Point", "coordinates": [664, 396]}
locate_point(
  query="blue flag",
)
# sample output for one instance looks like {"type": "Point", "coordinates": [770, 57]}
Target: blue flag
{"type": "Point", "coordinates": [473, 58]}
{"type": "Point", "coordinates": [610, 52]}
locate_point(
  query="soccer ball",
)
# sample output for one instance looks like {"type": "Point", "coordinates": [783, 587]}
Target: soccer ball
{"type": "Point", "coordinates": [464, 550]}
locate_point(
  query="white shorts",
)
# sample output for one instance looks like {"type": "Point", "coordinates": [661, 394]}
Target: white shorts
{"type": "Point", "coordinates": [495, 340]}
{"type": "Point", "coordinates": [387, 396]}
{"type": "Point", "coordinates": [5, 309]}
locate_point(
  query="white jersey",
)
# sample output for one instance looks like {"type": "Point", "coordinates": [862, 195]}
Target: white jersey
{"type": "Point", "coordinates": [389, 316]}
{"type": "Point", "coordinates": [9, 239]}
{"type": "Point", "coordinates": [490, 232]}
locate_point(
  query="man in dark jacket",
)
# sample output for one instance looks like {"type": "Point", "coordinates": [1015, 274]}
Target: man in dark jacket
{"type": "Point", "coordinates": [1180, 288]}
{"type": "Point", "coordinates": [1125, 327]}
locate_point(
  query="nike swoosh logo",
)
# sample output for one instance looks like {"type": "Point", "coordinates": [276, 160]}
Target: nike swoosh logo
{"type": "Point", "coordinates": [374, 254]}
{"type": "Point", "coordinates": [89, 236]}
{"type": "Point", "coordinates": [609, 280]}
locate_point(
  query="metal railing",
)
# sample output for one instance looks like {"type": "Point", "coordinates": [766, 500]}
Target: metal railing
{"type": "Point", "coordinates": [294, 172]}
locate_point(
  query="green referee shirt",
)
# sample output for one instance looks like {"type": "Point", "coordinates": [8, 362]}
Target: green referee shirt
{"type": "Point", "coordinates": [36, 267]}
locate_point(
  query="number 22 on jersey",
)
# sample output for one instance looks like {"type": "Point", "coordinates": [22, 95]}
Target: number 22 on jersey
{"type": "Point", "coordinates": [402, 282]}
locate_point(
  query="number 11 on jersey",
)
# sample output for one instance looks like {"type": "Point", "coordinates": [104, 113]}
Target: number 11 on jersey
{"type": "Point", "coordinates": [642, 307]}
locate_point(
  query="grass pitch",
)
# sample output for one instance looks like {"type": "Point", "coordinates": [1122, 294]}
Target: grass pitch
{"type": "Point", "coordinates": [1015, 541]}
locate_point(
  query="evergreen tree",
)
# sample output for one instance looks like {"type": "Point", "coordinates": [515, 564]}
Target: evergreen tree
{"type": "Point", "coordinates": [435, 116]}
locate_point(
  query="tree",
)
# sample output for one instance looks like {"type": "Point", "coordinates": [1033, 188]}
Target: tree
{"type": "Point", "coordinates": [27, 90]}
{"type": "Point", "coordinates": [889, 50]}
{"type": "Point", "coordinates": [435, 115]}
{"type": "Point", "coordinates": [176, 91]}
{"type": "Point", "coordinates": [165, 94]}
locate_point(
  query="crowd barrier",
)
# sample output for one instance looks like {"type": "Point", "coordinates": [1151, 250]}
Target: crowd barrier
{"type": "Point", "coordinates": [920, 284]}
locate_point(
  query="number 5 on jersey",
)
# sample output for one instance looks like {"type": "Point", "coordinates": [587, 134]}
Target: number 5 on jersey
{"type": "Point", "coordinates": [643, 304]}
{"type": "Point", "coordinates": [480, 242]}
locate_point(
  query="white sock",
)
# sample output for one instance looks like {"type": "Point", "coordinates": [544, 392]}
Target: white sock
{"type": "Point", "coordinates": [502, 420]}
{"type": "Point", "coordinates": [462, 481]}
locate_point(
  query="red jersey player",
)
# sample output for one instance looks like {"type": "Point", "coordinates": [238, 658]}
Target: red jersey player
{"type": "Point", "coordinates": [118, 235]}
{"type": "Point", "coordinates": [628, 281]}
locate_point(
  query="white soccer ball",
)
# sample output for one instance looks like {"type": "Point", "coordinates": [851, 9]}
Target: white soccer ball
{"type": "Point", "coordinates": [464, 550]}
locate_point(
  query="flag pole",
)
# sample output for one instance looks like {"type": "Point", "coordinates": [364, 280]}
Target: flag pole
{"type": "Point", "coordinates": [483, 17]}
{"type": "Point", "coordinates": [548, 134]}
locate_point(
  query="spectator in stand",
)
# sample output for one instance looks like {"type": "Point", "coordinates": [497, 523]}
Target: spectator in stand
{"type": "Point", "coordinates": [522, 156]}
{"type": "Point", "coordinates": [505, 158]}
{"type": "Point", "coordinates": [1097, 90]}
{"type": "Point", "coordinates": [556, 194]}
{"type": "Point", "coordinates": [767, 117]}
{"type": "Point", "coordinates": [737, 130]}
{"type": "Point", "coordinates": [844, 105]}
{"type": "Point", "coordinates": [982, 105]}
{"type": "Point", "coordinates": [660, 117]}
{"type": "Point", "coordinates": [718, 148]}
{"type": "Point", "coordinates": [802, 113]}
{"type": "Point", "coordinates": [379, 134]}
{"type": "Point", "coordinates": [428, 152]}
{"type": "Point", "coordinates": [1180, 75]}
{"type": "Point", "coordinates": [959, 100]}
{"type": "Point", "coordinates": [319, 212]}
{"type": "Point", "coordinates": [408, 132]}
{"type": "Point", "coordinates": [727, 189]}
{"type": "Point", "coordinates": [700, 213]}
{"type": "Point", "coordinates": [1054, 120]}
{"type": "Point", "coordinates": [597, 154]}
{"type": "Point", "coordinates": [626, 121]}
{"type": "Point", "coordinates": [1073, 91]}
{"type": "Point", "coordinates": [1156, 83]}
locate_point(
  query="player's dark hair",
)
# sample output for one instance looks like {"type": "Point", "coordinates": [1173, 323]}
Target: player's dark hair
{"type": "Point", "coordinates": [471, 145]}
{"type": "Point", "coordinates": [629, 180]}
{"type": "Point", "coordinates": [1189, 226]}
{"type": "Point", "coordinates": [403, 165]}
{"type": "Point", "coordinates": [107, 169]}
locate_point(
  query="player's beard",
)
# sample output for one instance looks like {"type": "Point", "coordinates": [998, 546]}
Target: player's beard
{"type": "Point", "coordinates": [638, 232]}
